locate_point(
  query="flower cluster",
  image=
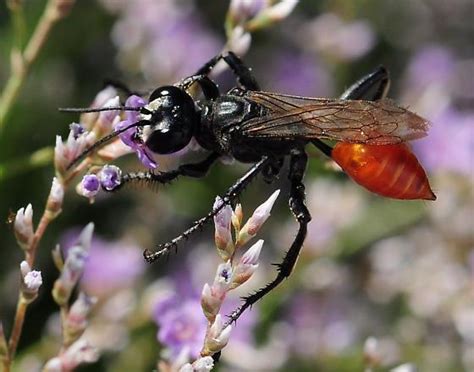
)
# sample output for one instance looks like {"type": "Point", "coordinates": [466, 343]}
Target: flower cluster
{"type": "Point", "coordinates": [231, 273]}
{"type": "Point", "coordinates": [74, 320]}
{"type": "Point", "coordinates": [181, 328]}
{"type": "Point", "coordinates": [246, 16]}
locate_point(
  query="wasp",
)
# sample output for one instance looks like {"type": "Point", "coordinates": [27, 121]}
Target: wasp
{"type": "Point", "coordinates": [263, 128]}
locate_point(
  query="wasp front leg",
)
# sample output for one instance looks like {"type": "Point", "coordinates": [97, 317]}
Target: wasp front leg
{"type": "Point", "coordinates": [232, 193]}
{"type": "Point", "coordinates": [244, 73]}
{"type": "Point", "coordinates": [194, 170]}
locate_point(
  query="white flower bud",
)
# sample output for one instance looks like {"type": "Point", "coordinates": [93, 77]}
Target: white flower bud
{"type": "Point", "coordinates": [31, 282]}
{"type": "Point", "coordinates": [78, 353]}
{"type": "Point", "coordinates": [257, 220]}
{"type": "Point", "coordinates": [247, 265]}
{"type": "Point", "coordinates": [55, 199]}
{"type": "Point", "coordinates": [76, 321]}
{"type": "Point", "coordinates": [23, 227]}
{"type": "Point", "coordinates": [217, 337]}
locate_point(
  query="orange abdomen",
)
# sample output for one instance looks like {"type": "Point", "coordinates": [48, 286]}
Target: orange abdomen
{"type": "Point", "coordinates": [387, 170]}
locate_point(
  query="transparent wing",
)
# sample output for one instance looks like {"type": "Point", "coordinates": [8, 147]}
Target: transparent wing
{"type": "Point", "coordinates": [380, 122]}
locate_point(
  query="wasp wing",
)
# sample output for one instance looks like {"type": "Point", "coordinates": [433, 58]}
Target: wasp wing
{"type": "Point", "coordinates": [292, 117]}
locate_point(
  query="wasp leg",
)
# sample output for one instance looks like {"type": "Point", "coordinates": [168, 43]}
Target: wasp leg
{"type": "Point", "coordinates": [232, 193]}
{"type": "Point", "coordinates": [238, 67]}
{"type": "Point", "coordinates": [297, 206]}
{"type": "Point", "coordinates": [371, 87]}
{"type": "Point", "coordinates": [194, 170]}
{"type": "Point", "coordinates": [272, 170]}
{"type": "Point", "coordinates": [243, 73]}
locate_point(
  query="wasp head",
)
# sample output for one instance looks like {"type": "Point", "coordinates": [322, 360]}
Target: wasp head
{"type": "Point", "coordinates": [172, 120]}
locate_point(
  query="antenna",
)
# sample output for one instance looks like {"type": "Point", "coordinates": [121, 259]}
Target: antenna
{"type": "Point", "coordinates": [103, 141]}
{"type": "Point", "coordinates": [85, 110]}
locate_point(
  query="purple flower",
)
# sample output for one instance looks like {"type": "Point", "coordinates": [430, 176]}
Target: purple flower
{"type": "Point", "coordinates": [90, 185]}
{"type": "Point", "coordinates": [77, 129]}
{"type": "Point", "coordinates": [321, 324]}
{"type": "Point", "coordinates": [184, 295]}
{"type": "Point", "coordinates": [301, 74]}
{"type": "Point", "coordinates": [432, 64]}
{"type": "Point", "coordinates": [110, 266]}
{"type": "Point", "coordinates": [182, 325]}
{"type": "Point", "coordinates": [332, 36]}
{"type": "Point", "coordinates": [450, 143]}
{"type": "Point", "coordinates": [131, 136]}
{"type": "Point", "coordinates": [167, 43]}
{"type": "Point", "coordinates": [109, 177]}
{"type": "Point", "coordinates": [73, 268]}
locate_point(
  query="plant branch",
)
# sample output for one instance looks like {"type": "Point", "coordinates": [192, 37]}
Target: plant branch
{"type": "Point", "coordinates": [21, 62]}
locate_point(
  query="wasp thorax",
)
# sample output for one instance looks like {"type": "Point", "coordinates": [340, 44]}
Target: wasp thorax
{"type": "Point", "coordinates": [172, 118]}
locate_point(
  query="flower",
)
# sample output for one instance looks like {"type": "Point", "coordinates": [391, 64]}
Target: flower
{"type": "Point", "coordinates": [131, 137]}
{"type": "Point", "coordinates": [107, 118]}
{"type": "Point", "coordinates": [66, 152]}
{"type": "Point", "coordinates": [109, 177]}
{"type": "Point", "coordinates": [76, 320]}
{"type": "Point", "coordinates": [439, 152]}
{"type": "Point", "coordinates": [151, 45]}
{"type": "Point", "coordinates": [329, 34]}
{"type": "Point", "coordinates": [256, 221]}
{"type": "Point", "coordinates": [213, 296]}
{"type": "Point", "coordinates": [300, 74]}
{"type": "Point", "coordinates": [89, 186]}
{"type": "Point", "coordinates": [73, 266]}
{"type": "Point", "coordinates": [55, 198]}
{"type": "Point", "coordinates": [182, 325]}
{"type": "Point", "coordinates": [31, 282]}
{"type": "Point", "coordinates": [204, 364]}
{"type": "Point", "coordinates": [23, 226]}
{"type": "Point", "coordinates": [111, 266]}
{"type": "Point", "coordinates": [247, 265]}
{"type": "Point", "coordinates": [217, 337]}
{"type": "Point", "coordinates": [77, 129]}
{"type": "Point", "coordinates": [78, 353]}
{"type": "Point", "coordinates": [223, 232]}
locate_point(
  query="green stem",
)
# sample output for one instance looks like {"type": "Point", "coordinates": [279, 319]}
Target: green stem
{"type": "Point", "coordinates": [21, 62]}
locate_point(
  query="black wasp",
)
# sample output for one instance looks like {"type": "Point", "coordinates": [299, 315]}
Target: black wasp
{"type": "Point", "coordinates": [261, 128]}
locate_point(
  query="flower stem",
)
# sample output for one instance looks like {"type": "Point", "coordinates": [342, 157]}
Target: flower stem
{"type": "Point", "coordinates": [21, 61]}
{"type": "Point", "coordinates": [16, 330]}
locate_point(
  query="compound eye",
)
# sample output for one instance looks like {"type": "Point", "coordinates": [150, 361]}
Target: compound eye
{"type": "Point", "coordinates": [173, 122]}
{"type": "Point", "coordinates": [167, 141]}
